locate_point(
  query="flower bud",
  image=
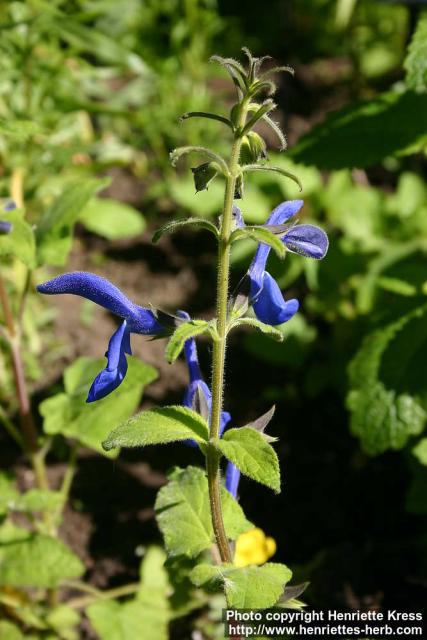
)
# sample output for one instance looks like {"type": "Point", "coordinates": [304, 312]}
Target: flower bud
{"type": "Point", "coordinates": [204, 174]}
{"type": "Point", "coordinates": [253, 148]}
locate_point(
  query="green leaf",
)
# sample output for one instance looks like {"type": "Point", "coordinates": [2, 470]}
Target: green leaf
{"type": "Point", "coordinates": [260, 234]}
{"type": "Point", "coordinates": [181, 334]}
{"type": "Point", "coordinates": [69, 414]}
{"type": "Point", "coordinates": [420, 451]}
{"type": "Point", "coordinates": [246, 587]}
{"type": "Point", "coordinates": [19, 130]}
{"type": "Point", "coordinates": [20, 241]}
{"type": "Point", "coordinates": [36, 500]}
{"type": "Point", "coordinates": [37, 561]}
{"type": "Point", "coordinates": [388, 397]}
{"type": "Point", "coordinates": [267, 329]}
{"type": "Point", "coordinates": [63, 620]}
{"type": "Point", "coordinates": [9, 631]}
{"type": "Point", "coordinates": [416, 60]}
{"type": "Point", "coordinates": [8, 493]}
{"type": "Point", "coordinates": [392, 122]}
{"type": "Point", "coordinates": [248, 451]}
{"type": "Point", "coordinates": [54, 231]}
{"type": "Point", "coordinates": [158, 426]}
{"type": "Point", "coordinates": [115, 621]}
{"type": "Point", "coordinates": [183, 513]}
{"type": "Point", "coordinates": [112, 219]}
{"type": "Point", "coordinates": [176, 225]}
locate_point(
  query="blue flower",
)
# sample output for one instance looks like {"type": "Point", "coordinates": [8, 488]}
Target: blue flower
{"type": "Point", "coordinates": [135, 319]}
{"type": "Point", "coordinates": [232, 479]}
{"type": "Point", "coordinates": [267, 300]}
{"type": "Point", "coordinates": [5, 226]}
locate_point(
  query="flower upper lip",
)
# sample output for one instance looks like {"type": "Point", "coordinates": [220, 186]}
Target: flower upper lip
{"type": "Point", "coordinates": [135, 319]}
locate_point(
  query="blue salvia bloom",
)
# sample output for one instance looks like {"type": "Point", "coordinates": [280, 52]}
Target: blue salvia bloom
{"type": "Point", "coordinates": [135, 319]}
{"type": "Point", "coordinates": [305, 239]}
{"type": "Point", "coordinates": [5, 226]}
{"type": "Point", "coordinates": [232, 479]}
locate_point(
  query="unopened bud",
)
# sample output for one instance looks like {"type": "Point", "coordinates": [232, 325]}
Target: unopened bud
{"type": "Point", "coordinates": [253, 148]}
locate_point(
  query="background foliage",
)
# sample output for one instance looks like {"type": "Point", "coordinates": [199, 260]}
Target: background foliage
{"type": "Point", "coordinates": [90, 95]}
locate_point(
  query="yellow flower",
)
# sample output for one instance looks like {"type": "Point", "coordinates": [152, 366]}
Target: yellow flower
{"type": "Point", "coordinates": [253, 547]}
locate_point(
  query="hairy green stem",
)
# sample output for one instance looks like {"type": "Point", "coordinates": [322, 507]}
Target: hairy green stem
{"type": "Point", "coordinates": [219, 345]}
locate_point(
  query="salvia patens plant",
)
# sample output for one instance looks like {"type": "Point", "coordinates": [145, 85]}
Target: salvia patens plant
{"type": "Point", "coordinates": [198, 510]}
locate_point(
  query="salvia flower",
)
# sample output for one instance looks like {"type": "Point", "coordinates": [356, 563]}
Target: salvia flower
{"type": "Point", "coordinates": [135, 319]}
{"type": "Point", "coordinates": [232, 479]}
{"type": "Point", "coordinates": [5, 226]}
{"type": "Point", "coordinates": [305, 239]}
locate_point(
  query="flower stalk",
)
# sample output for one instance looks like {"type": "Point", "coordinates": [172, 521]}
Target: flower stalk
{"type": "Point", "coordinates": [220, 344]}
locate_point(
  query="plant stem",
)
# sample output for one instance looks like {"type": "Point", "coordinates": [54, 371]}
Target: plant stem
{"type": "Point", "coordinates": [85, 601]}
{"type": "Point", "coordinates": [28, 428]}
{"type": "Point", "coordinates": [219, 345]}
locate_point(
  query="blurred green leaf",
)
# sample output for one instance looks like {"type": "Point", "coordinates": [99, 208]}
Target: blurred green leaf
{"type": "Point", "coordinates": [112, 219]}
{"type": "Point", "coordinates": [69, 414]}
{"type": "Point", "coordinates": [388, 382]}
{"type": "Point", "coordinates": [19, 129]}
{"type": "Point", "coordinates": [420, 451]}
{"type": "Point", "coordinates": [364, 134]}
{"type": "Point", "coordinates": [9, 631]}
{"type": "Point", "coordinates": [20, 241]}
{"type": "Point", "coordinates": [37, 561]}
{"type": "Point", "coordinates": [416, 59]}
{"type": "Point", "coordinates": [183, 514]}
{"type": "Point", "coordinates": [54, 231]}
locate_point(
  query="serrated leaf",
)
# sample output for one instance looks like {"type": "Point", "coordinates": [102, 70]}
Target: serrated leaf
{"type": "Point", "coordinates": [158, 426]}
{"type": "Point", "coordinates": [20, 241]}
{"type": "Point", "coordinates": [392, 123]}
{"type": "Point", "coordinates": [177, 225]}
{"type": "Point", "coordinates": [54, 231]}
{"type": "Point", "coordinates": [260, 234]}
{"type": "Point", "coordinates": [387, 398]}
{"type": "Point", "coordinates": [183, 513]}
{"type": "Point", "coordinates": [69, 414]}
{"type": "Point", "coordinates": [416, 60]}
{"type": "Point", "coordinates": [185, 331]}
{"type": "Point", "coordinates": [248, 451]}
{"type": "Point", "coordinates": [112, 219]}
{"type": "Point", "coordinates": [37, 561]}
{"type": "Point", "coordinates": [267, 329]}
{"type": "Point", "coordinates": [247, 587]}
